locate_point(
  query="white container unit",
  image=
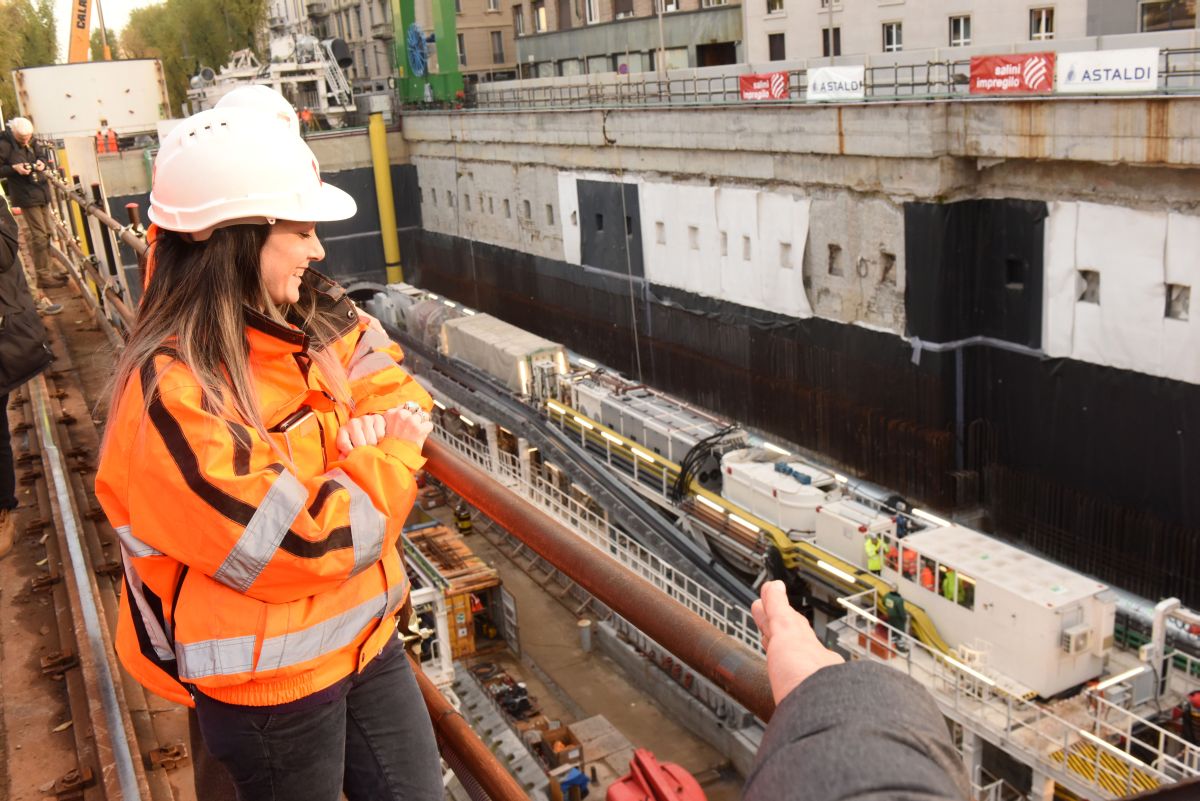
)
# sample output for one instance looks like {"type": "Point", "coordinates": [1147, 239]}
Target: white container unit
{"type": "Point", "coordinates": [788, 498]}
{"type": "Point", "coordinates": [843, 525]}
{"type": "Point", "coordinates": [1040, 624]}
{"type": "Point", "coordinates": [648, 418]}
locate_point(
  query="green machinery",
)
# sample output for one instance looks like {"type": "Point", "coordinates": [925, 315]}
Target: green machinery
{"type": "Point", "coordinates": [417, 84]}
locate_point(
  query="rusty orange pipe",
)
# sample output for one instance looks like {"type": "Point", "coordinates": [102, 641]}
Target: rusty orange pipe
{"type": "Point", "coordinates": [465, 746]}
{"type": "Point", "coordinates": [714, 654]}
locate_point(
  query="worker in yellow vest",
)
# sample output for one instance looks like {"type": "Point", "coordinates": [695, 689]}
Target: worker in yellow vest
{"type": "Point", "coordinates": [874, 550]}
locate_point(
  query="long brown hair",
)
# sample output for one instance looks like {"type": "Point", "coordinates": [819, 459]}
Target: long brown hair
{"type": "Point", "coordinates": [194, 307]}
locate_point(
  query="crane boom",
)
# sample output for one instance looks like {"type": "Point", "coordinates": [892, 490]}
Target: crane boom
{"type": "Point", "coordinates": [81, 31]}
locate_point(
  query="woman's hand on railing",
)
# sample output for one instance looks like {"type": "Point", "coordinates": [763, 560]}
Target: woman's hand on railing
{"type": "Point", "coordinates": [409, 423]}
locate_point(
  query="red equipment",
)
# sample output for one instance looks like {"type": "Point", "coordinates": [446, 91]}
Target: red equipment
{"type": "Point", "coordinates": [651, 780]}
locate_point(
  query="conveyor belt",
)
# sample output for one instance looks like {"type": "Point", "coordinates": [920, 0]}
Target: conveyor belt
{"type": "Point", "coordinates": [627, 509]}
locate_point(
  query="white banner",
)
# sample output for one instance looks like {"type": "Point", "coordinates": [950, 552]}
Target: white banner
{"type": "Point", "coordinates": [836, 83]}
{"type": "Point", "coordinates": [1108, 71]}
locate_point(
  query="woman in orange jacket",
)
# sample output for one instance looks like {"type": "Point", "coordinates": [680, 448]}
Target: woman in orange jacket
{"type": "Point", "coordinates": [257, 467]}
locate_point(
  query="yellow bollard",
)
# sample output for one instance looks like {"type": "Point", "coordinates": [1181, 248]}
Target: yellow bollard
{"type": "Point", "coordinates": [383, 194]}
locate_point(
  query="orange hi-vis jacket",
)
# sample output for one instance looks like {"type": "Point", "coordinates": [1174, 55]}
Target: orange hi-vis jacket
{"type": "Point", "coordinates": [256, 583]}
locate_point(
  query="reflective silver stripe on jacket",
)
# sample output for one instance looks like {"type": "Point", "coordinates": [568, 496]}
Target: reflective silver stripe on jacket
{"type": "Point", "coordinates": [157, 630]}
{"type": "Point", "coordinates": [369, 364]}
{"type": "Point", "coordinates": [369, 340]}
{"type": "Point", "coordinates": [260, 540]}
{"type": "Point", "coordinates": [215, 657]}
{"type": "Point", "coordinates": [133, 546]}
{"type": "Point", "coordinates": [236, 654]}
{"type": "Point", "coordinates": [368, 526]}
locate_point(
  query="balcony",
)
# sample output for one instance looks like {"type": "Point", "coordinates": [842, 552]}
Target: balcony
{"type": "Point", "coordinates": [317, 8]}
{"type": "Point", "coordinates": [275, 22]}
{"type": "Point", "coordinates": [383, 30]}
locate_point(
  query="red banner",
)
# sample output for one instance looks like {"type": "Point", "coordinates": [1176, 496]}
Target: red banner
{"type": "Point", "coordinates": [771, 86]}
{"type": "Point", "coordinates": [1010, 75]}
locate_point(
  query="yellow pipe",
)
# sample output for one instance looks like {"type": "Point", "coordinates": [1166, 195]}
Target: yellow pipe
{"type": "Point", "coordinates": [76, 217]}
{"type": "Point", "coordinates": [383, 194]}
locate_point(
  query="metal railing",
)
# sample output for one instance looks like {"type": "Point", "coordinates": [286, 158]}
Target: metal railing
{"type": "Point", "coordinates": [1076, 755]}
{"type": "Point", "coordinates": [949, 79]}
{"type": "Point", "coordinates": [596, 530]}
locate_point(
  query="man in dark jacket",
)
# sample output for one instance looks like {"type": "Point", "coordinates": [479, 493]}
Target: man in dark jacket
{"type": "Point", "coordinates": [24, 168]}
{"type": "Point", "coordinates": [852, 732]}
{"type": "Point", "coordinates": [23, 354]}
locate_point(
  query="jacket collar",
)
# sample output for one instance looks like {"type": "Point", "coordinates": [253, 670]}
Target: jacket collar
{"type": "Point", "coordinates": [268, 337]}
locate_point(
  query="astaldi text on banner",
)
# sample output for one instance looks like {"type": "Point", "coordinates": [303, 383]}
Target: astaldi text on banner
{"type": "Point", "coordinates": [1012, 75]}
{"type": "Point", "coordinates": [1106, 71]}
{"type": "Point", "coordinates": [768, 86]}
{"type": "Point", "coordinates": [836, 83]}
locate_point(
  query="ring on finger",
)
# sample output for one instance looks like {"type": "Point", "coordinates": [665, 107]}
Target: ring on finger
{"type": "Point", "coordinates": [412, 406]}
{"type": "Point", "coordinates": [423, 415]}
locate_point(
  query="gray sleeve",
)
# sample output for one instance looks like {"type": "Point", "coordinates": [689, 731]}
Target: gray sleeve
{"type": "Point", "coordinates": [857, 732]}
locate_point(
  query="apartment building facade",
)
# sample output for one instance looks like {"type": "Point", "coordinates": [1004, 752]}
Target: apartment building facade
{"type": "Point", "coordinates": [574, 37]}
{"type": "Point", "coordinates": [486, 40]}
{"type": "Point", "coordinates": [793, 30]}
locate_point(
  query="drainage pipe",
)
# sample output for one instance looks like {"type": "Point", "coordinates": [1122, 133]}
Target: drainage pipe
{"type": "Point", "coordinates": [462, 748]}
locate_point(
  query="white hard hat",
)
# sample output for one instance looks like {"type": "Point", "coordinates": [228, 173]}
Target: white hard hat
{"type": "Point", "coordinates": [238, 165]}
{"type": "Point", "coordinates": [263, 98]}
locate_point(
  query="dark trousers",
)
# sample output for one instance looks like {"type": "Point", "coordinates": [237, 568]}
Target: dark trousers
{"type": "Point", "coordinates": [8, 472]}
{"type": "Point", "coordinates": [376, 743]}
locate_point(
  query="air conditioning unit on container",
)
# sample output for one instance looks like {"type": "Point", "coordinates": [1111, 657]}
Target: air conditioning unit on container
{"type": "Point", "coordinates": [1076, 639]}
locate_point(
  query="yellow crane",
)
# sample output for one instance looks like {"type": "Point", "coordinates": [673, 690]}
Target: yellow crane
{"type": "Point", "coordinates": [81, 31]}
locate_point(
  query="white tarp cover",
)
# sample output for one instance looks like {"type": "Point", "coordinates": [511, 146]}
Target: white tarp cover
{"type": "Point", "coordinates": [740, 245]}
{"type": "Point", "coordinates": [424, 320]}
{"type": "Point", "coordinates": [495, 347]}
{"type": "Point", "coordinates": [1136, 254]}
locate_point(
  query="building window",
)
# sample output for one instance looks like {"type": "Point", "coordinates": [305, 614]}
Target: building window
{"type": "Point", "coordinates": [497, 47]}
{"type": "Point", "coordinates": [518, 21]}
{"type": "Point", "coordinates": [493, 5]}
{"type": "Point", "coordinates": [960, 31]}
{"type": "Point", "coordinates": [589, 11]}
{"type": "Point", "coordinates": [539, 16]}
{"type": "Point", "coordinates": [774, 6]}
{"type": "Point", "coordinates": [462, 51]}
{"type": "Point", "coordinates": [1166, 15]}
{"type": "Point", "coordinates": [1041, 24]}
{"type": "Point", "coordinates": [837, 42]}
{"type": "Point", "coordinates": [775, 47]}
{"type": "Point", "coordinates": [457, 6]}
{"type": "Point", "coordinates": [893, 37]}
{"type": "Point", "coordinates": [712, 3]}
{"type": "Point", "coordinates": [622, 8]}
{"type": "Point", "coordinates": [668, 6]}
